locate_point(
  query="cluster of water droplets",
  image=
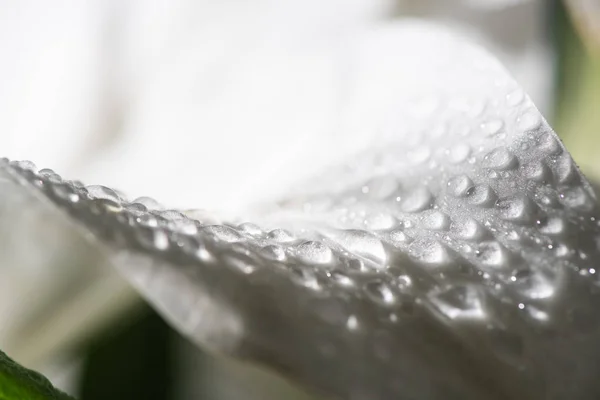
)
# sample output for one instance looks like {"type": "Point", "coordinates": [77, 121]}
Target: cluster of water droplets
{"type": "Point", "coordinates": [487, 231]}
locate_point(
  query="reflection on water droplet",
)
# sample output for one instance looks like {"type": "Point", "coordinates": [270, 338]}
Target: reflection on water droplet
{"type": "Point", "coordinates": [552, 226]}
{"type": "Point", "coordinates": [352, 323]}
{"type": "Point", "coordinates": [536, 171]}
{"type": "Point", "coordinates": [362, 243]}
{"type": "Point", "coordinates": [274, 252]}
{"type": "Point", "coordinates": [519, 209]}
{"type": "Point", "coordinates": [460, 185]}
{"type": "Point", "coordinates": [250, 228]}
{"type": "Point", "coordinates": [468, 229]}
{"type": "Point", "coordinates": [491, 254]}
{"type": "Point", "coordinates": [398, 238]}
{"type": "Point", "coordinates": [65, 192]}
{"type": "Point", "coordinates": [533, 284]}
{"type": "Point", "coordinates": [149, 203]}
{"type": "Point", "coordinates": [378, 291]}
{"type": "Point", "coordinates": [500, 159]}
{"type": "Point", "coordinates": [281, 236]}
{"type": "Point", "coordinates": [548, 144]}
{"type": "Point", "coordinates": [459, 302]}
{"type": "Point", "coordinates": [313, 252]}
{"type": "Point", "coordinates": [429, 252]}
{"type": "Point", "coordinates": [530, 120]}
{"type": "Point", "coordinates": [224, 233]}
{"type": "Point", "coordinates": [417, 200]}
{"type": "Point", "coordinates": [492, 127]}
{"type": "Point", "coordinates": [341, 278]}
{"type": "Point", "coordinates": [103, 192]}
{"type": "Point", "coordinates": [435, 220]}
{"type": "Point", "coordinates": [565, 169]}
{"type": "Point", "coordinates": [380, 221]}
{"type": "Point", "coordinates": [25, 165]}
{"type": "Point", "coordinates": [482, 196]}
{"type": "Point", "coordinates": [577, 198]}
{"type": "Point", "coordinates": [459, 153]}
{"type": "Point", "coordinates": [382, 187]}
{"type": "Point", "coordinates": [515, 98]}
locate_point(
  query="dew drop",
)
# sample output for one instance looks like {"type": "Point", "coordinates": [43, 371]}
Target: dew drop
{"type": "Point", "coordinates": [577, 198]}
{"type": "Point", "coordinates": [500, 159]}
{"type": "Point", "coordinates": [313, 252]}
{"type": "Point", "coordinates": [536, 171]}
{"type": "Point", "coordinates": [519, 209]}
{"type": "Point", "coordinates": [380, 292]}
{"type": "Point", "coordinates": [149, 203]}
{"type": "Point", "coordinates": [469, 229]}
{"type": "Point", "coordinates": [103, 192]}
{"type": "Point", "coordinates": [459, 153]}
{"type": "Point", "coordinates": [65, 192]}
{"type": "Point", "coordinates": [492, 127]}
{"type": "Point", "coordinates": [429, 252]}
{"type": "Point", "coordinates": [273, 252]}
{"type": "Point", "coordinates": [552, 226]}
{"type": "Point", "coordinates": [459, 302]}
{"type": "Point", "coordinates": [380, 221]}
{"type": "Point", "coordinates": [460, 185]}
{"type": "Point", "coordinates": [530, 120]}
{"type": "Point", "coordinates": [491, 254]}
{"type": "Point", "coordinates": [250, 228]}
{"type": "Point", "coordinates": [482, 196]}
{"type": "Point", "coordinates": [548, 144]}
{"type": "Point", "coordinates": [435, 220]}
{"type": "Point", "coordinates": [515, 98]}
{"type": "Point", "coordinates": [224, 233]}
{"type": "Point", "coordinates": [417, 200]}
{"type": "Point", "coordinates": [363, 244]}
{"type": "Point", "coordinates": [281, 236]}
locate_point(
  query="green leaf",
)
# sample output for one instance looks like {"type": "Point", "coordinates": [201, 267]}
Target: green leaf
{"type": "Point", "coordinates": [19, 383]}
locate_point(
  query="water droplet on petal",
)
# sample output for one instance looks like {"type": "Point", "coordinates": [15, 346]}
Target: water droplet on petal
{"type": "Point", "coordinates": [313, 252]}
{"type": "Point", "coordinates": [103, 192]}
{"type": "Point", "coordinates": [380, 292]}
{"type": "Point", "coordinates": [459, 302]}
{"type": "Point", "coordinates": [500, 159]}
{"type": "Point", "coordinates": [362, 243]}
{"type": "Point", "coordinates": [417, 200]}
{"type": "Point", "coordinates": [460, 185]}
{"type": "Point", "coordinates": [435, 220]}
{"type": "Point", "coordinates": [529, 121]}
{"type": "Point", "coordinates": [224, 233]}
{"type": "Point", "coordinates": [429, 252]}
